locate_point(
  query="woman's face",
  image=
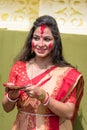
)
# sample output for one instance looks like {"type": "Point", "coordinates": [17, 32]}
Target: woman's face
{"type": "Point", "coordinates": [42, 41]}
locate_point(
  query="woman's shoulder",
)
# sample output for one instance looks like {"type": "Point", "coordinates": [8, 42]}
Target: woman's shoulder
{"type": "Point", "coordinates": [74, 74]}
{"type": "Point", "coordinates": [69, 71]}
{"type": "Point", "coordinates": [19, 64]}
{"type": "Point", "coordinates": [74, 71]}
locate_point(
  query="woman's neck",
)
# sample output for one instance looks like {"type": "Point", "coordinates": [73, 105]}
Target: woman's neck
{"type": "Point", "coordinates": [43, 62]}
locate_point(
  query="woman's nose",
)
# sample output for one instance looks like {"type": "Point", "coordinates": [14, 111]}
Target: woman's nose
{"type": "Point", "coordinates": [41, 42]}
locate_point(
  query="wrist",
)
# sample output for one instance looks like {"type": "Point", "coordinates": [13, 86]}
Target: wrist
{"type": "Point", "coordinates": [46, 100]}
{"type": "Point", "coordinates": [10, 99]}
{"type": "Point", "coordinates": [42, 96]}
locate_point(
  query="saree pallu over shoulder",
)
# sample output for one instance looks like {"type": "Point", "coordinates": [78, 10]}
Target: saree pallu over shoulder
{"type": "Point", "coordinates": [73, 79]}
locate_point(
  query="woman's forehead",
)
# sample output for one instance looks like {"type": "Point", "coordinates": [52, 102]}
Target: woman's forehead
{"type": "Point", "coordinates": [43, 30]}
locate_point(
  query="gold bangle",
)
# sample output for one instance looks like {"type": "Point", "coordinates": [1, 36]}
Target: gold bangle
{"type": "Point", "coordinates": [42, 96]}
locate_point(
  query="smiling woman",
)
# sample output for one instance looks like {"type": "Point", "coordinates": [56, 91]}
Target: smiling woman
{"type": "Point", "coordinates": [51, 87]}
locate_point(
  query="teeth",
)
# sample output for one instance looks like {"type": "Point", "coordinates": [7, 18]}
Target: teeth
{"type": "Point", "coordinates": [41, 48]}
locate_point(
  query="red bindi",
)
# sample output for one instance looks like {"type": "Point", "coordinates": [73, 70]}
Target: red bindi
{"type": "Point", "coordinates": [43, 28]}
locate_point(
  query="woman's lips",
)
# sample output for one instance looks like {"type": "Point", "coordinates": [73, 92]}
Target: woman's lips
{"type": "Point", "coordinates": [40, 50]}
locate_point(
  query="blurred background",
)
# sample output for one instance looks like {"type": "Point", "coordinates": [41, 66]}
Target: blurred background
{"type": "Point", "coordinates": [17, 17]}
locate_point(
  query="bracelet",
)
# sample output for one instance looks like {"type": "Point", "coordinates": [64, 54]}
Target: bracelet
{"type": "Point", "coordinates": [41, 97]}
{"type": "Point", "coordinates": [46, 101]}
{"type": "Point", "coordinates": [11, 100]}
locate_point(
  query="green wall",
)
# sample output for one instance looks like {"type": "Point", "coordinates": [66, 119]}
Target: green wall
{"type": "Point", "coordinates": [75, 51]}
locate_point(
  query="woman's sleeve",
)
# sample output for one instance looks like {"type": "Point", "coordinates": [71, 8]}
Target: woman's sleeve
{"type": "Point", "coordinates": [72, 97]}
{"type": "Point", "coordinates": [77, 91]}
{"type": "Point", "coordinates": [13, 73]}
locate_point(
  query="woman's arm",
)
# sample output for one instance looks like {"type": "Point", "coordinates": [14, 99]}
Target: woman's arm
{"type": "Point", "coordinates": [61, 109]}
{"type": "Point", "coordinates": [7, 105]}
{"type": "Point", "coordinates": [10, 98]}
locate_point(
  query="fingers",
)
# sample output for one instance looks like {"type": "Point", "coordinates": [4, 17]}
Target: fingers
{"type": "Point", "coordinates": [32, 91]}
{"type": "Point", "coordinates": [13, 93]}
{"type": "Point", "coordinates": [31, 94]}
{"type": "Point", "coordinates": [36, 92]}
{"type": "Point", "coordinates": [29, 88]}
{"type": "Point", "coordinates": [8, 84]}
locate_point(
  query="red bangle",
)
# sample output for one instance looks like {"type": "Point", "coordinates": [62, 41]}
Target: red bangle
{"type": "Point", "coordinates": [46, 101]}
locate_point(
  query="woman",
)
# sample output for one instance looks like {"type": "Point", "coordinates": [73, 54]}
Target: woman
{"type": "Point", "coordinates": [45, 88]}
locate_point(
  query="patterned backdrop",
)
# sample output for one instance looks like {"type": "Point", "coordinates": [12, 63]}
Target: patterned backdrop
{"type": "Point", "coordinates": [20, 14]}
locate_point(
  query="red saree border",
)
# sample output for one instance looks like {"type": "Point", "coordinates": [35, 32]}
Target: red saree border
{"type": "Point", "coordinates": [68, 81]}
{"type": "Point", "coordinates": [76, 80]}
{"type": "Point", "coordinates": [41, 76]}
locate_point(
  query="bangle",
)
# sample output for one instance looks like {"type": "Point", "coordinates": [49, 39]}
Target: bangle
{"type": "Point", "coordinates": [11, 100]}
{"type": "Point", "coordinates": [46, 101]}
{"type": "Point", "coordinates": [41, 97]}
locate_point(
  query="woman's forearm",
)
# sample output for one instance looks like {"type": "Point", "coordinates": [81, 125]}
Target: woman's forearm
{"type": "Point", "coordinates": [61, 109]}
{"type": "Point", "coordinates": [7, 105]}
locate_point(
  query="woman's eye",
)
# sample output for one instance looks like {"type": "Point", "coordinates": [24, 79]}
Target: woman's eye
{"type": "Point", "coordinates": [47, 39]}
{"type": "Point", "coordinates": [36, 38]}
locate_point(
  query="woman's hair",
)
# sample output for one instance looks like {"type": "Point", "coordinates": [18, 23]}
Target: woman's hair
{"type": "Point", "coordinates": [56, 54]}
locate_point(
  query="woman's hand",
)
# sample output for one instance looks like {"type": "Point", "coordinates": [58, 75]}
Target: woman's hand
{"type": "Point", "coordinates": [12, 93]}
{"type": "Point", "coordinates": [9, 100]}
{"type": "Point", "coordinates": [35, 92]}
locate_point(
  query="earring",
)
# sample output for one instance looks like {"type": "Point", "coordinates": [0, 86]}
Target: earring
{"type": "Point", "coordinates": [32, 51]}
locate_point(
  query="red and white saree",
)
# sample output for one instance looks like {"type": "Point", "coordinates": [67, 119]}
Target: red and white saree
{"type": "Point", "coordinates": [62, 83]}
